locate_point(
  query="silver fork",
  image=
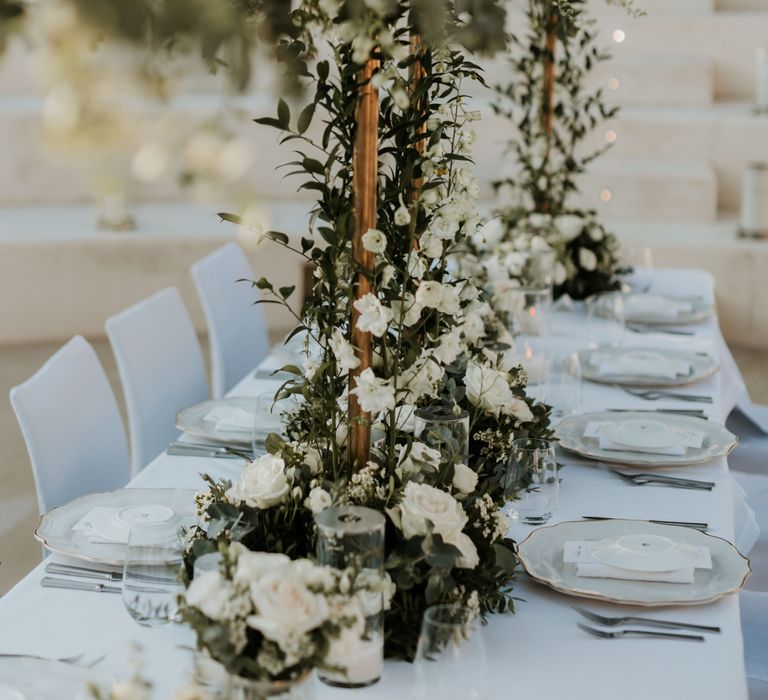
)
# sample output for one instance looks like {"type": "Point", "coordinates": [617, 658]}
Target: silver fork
{"type": "Point", "coordinates": [642, 621]}
{"type": "Point", "coordinates": [674, 482]}
{"type": "Point", "coordinates": [640, 328]}
{"type": "Point", "coordinates": [656, 394]}
{"type": "Point", "coordinates": [604, 634]}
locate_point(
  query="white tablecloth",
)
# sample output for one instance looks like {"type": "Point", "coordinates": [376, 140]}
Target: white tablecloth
{"type": "Point", "coordinates": [536, 653]}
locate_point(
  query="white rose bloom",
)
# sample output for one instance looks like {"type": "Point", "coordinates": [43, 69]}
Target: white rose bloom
{"type": "Point", "coordinates": [487, 388]}
{"type": "Point", "coordinates": [251, 566]}
{"type": "Point", "coordinates": [596, 233]}
{"type": "Point", "coordinates": [262, 484]}
{"type": "Point", "coordinates": [469, 558]}
{"type": "Point", "coordinates": [374, 241]}
{"type": "Point", "coordinates": [374, 317]}
{"type": "Point", "coordinates": [587, 259]}
{"type": "Point", "coordinates": [285, 608]}
{"type": "Point", "coordinates": [519, 409]}
{"type": "Point", "coordinates": [344, 351]}
{"type": "Point", "coordinates": [489, 234]}
{"type": "Point", "coordinates": [410, 309]}
{"type": "Point", "coordinates": [374, 394]}
{"type": "Point", "coordinates": [423, 504]}
{"type": "Point", "coordinates": [318, 500]}
{"type": "Point", "coordinates": [539, 245]}
{"type": "Point", "coordinates": [429, 294]}
{"type": "Point", "coordinates": [464, 478]}
{"type": "Point", "coordinates": [539, 220]}
{"type": "Point", "coordinates": [560, 274]}
{"type": "Point", "coordinates": [449, 301]}
{"type": "Point", "coordinates": [430, 245]}
{"type": "Point", "coordinates": [569, 226]}
{"type": "Point", "coordinates": [211, 594]}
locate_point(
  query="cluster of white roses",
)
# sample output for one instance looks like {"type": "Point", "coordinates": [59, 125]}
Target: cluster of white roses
{"type": "Point", "coordinates": [287, 601]}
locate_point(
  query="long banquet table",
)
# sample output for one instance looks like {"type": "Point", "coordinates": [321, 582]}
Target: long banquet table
{"type": "Point", "coordinates": [538, 652]}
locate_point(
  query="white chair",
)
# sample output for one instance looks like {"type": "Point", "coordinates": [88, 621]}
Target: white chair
{"type": "Point", "coordinates": [237, 329]}
{"type": "Point", "coordinates": [72, 427]}
{"type": "Point", "coordinates": [161, 369]}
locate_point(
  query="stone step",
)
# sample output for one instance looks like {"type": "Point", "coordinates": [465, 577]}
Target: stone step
{"type": "Point", "coordinates": [656, 79]}
{"type": "Point", "coordinates": [650, 190]}
{"type": "Point", "coordinates": [728, 135]}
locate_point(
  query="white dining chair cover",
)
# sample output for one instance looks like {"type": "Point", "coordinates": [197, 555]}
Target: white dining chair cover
{"type": "Point", "coordinates": [161, 369]}
{"type": "Point", "coordinates": [71, 424]}
{"type": "Point", "coordinates": [237, 328]}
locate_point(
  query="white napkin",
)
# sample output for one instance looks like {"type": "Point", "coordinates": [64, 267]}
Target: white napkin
{"type": "Point", "coordinates": [580, 553]}
{"type": "Point", "coordinates": [656, 306]}
{"type": "Point", "coordinates": [693, 439]}
{"type": "Point", "coordinates": [231, 419]}
{"type": "Point", "coordinates": [657, 366]}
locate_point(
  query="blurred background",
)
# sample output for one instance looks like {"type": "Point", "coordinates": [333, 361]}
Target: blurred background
{"type": "Point", "coordinates": [98, 210]}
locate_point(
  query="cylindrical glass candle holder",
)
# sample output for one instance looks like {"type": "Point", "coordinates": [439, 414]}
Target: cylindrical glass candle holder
{"type": "Point", "coordinates": [353, 537]}
{"type": "Point", "coordinates": [445, 431]}
{"type": "Point", "coordinates": [529, 310]}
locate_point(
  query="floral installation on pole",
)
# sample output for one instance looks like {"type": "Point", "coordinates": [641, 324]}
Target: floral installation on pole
{"type": "Point", "coordinates": [430, 331]}
{"type": "Point", "coordinates": [553, 112]}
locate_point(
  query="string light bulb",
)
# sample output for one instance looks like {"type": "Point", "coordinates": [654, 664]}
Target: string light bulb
{"type": "Point", "coordinates": [619, 35]}
{"type": "Point", "coordinates": [606, 195]}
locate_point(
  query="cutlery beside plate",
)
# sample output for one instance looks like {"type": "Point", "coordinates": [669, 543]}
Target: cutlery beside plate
{"type": "Point", "coordinates": [641, 621]}
{"type": "Point", "coordinates": [603, 634]}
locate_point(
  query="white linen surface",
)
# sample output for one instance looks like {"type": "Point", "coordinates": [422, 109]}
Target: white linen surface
{"type": "Point", "coordinates": [521, 648]}
{"type": "Point", "coordinates": [656, 306]}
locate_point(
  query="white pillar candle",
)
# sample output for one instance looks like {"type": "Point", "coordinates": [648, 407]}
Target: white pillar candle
{"type": "Point", "coordinates": [754, 200]}
{"type": "Point", "coordinates": [761, 80]}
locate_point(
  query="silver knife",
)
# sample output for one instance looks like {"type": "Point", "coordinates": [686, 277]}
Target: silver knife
{"type": "Point", "coordinates": [702, 527]}
{"type": "Point", "coordinates": [198, 452]}
{"type": "Point", "coordinates": [83, 572]}
{"type": "Point", "coordinates": [49, 582]}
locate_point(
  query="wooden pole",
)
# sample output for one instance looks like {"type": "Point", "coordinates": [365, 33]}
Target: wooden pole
{"type": "Point", "coordinates": [416, 73]}
{"type": "Point", "coordinates": [364, 182]}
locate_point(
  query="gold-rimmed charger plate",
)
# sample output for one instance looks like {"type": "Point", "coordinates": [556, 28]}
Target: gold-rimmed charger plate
{"type": "Point", "coordinates": [541, 556]}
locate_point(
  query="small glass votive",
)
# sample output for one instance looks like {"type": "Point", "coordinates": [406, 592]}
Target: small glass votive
{"type": "Point", "coordinates": [152, 573]}
{"type": "Point", "coordinates": [450, 661]}
{"type": "Point", "coordinates": [605, 320]}
{"type": "Point", "coordinates": [353, 536]}
{"type": "Point", "coordinates": [529, 310]}
{"type": "Point", "coordinates": [445, 431]}
{"type": "Point", "coordinates": [533, 476]}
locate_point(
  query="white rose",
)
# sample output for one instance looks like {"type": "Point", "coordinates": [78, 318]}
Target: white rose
{"type": "Point", "coordinates": [423, 504]}
{"type": "Point", "coordinates": [318, 500]}
{"type": "Point", "coordinates": [211, 594]}
{"type": "Point", "coordinates": [464, 478]}
{"type": "Point", "coordinates": [539, 220]}
{"type": "Point", "coordinates": [374, 318]}
{"type": "Point", "coordinates": [374, 241]}
{"type": "Point", "coordinates": [587, 259]}
{"type": "Point", "coordinates": [519, 409]}
{"type": "Point", "coordinates": [469, 558]}
{"type": "Point", "coordinates": [569, 226]}
{"type": "Point", "coordinates": [487, 388]}
{"type": "Point", "coordinates": [262, 484]}
{"type": "Point", "coordinates": [429, 294]}
{"type": "Point", "coordinates": [596, 233]}
{"type": "Point", "coordinates": [285, 608]}
{"type": "Point", "coordinates": [251, 566]}
{"type": "Point", "coordinates": [374, 394]}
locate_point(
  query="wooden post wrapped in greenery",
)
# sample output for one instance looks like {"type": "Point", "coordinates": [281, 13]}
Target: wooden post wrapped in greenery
{"type": "Point", "coordinates": [416, 73]}
{"type": "Point", "coordinates": [365, 169]}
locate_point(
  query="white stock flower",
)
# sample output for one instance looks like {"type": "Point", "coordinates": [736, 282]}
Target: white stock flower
{"type": "Point", "coordinates": [449, 347]}
{"type": "Point", "coordinates": [429, 294]}
{"type": "Point", "coordinates": [416, 265]}
{"type": "Point", "coordinates": [211, 594]}
{"type": "Point", "coordinates": [539, 220]}
{"type": "Point", "coordinates": [374, 241]}
{"type": "Point", "coordinates": [464, 478]}
{"type": "Point", "coordinates": [374, 318]}
{"type": "Point", "coordinates": [489, 234]}
{"type": "Point", "coordinates": [430, 245]}
{"type": "Point", "coordinates": [374, 394]}
{"type": "Point", "coordinates": [402, 215]}
{"type": "Point", "coordinates": [318, 500]}
{"type": "Point", "coordinates": [587, 259]}
{"type": "Point", "coordinates": [443, 228]}
{"type": "Point", "coordinates": [487, 388]}
{"type": "Point", "coordinates": [343, 350]}
{"type": "Point", "coordinates": [450, 300]}
{"type": "Point", "coordinates": [569, 226]}
{"type": "Point", "coordinates": [423, 504]}
{"type": "Point", "coordinates": [409, 308]}
{"type": "Point", "coordinates": [262, 483]}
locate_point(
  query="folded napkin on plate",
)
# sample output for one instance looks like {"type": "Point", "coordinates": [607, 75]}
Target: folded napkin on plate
{"type": "Point", "coordinates": [692, 439]}
{"type": "Point", "coordinates": [580, 554]}
{"type": "Point", "coordinates": [658, 366]}
{"type": "Point", "coordinates": [657, 306]}
{"type": "Point", "coordinates": [231, 419]}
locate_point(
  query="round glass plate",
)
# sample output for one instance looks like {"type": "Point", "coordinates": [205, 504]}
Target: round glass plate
{"type": "Point", "coordinates": [653, 309]}
{"type": "Point", "coordinates": [646, 433]}
{"type": "Point", "coordinates": [701, 365]}
{"type": "Point", "coordinates": [55, 527]}
{"type": "Point", "coordinates": [718, 440]}
{"type": "Point", "coordinates": [541, 555]}
{"type": "Point", "coordinates": [44, 679]}
{"type": "Point", "coordinates": [652, 553]}
{"type": "Point", "coordinates": [194, 420]}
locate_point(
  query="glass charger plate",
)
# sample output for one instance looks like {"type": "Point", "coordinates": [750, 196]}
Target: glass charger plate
{"type": "Point", "coordinates": [45, 679]}
{"type": "Point", "coordinates": [702, 367]}
{"type": "Point", "coordinates": [718, 440]}
{"type": "Point", "coordinates": [192, 420]}
{"type": "Point", "coordinates": [701, 310]}
{"type": "Point", "coordinates": [541, 555]}
{"type": "Point", "coordinates": [55, 528]}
